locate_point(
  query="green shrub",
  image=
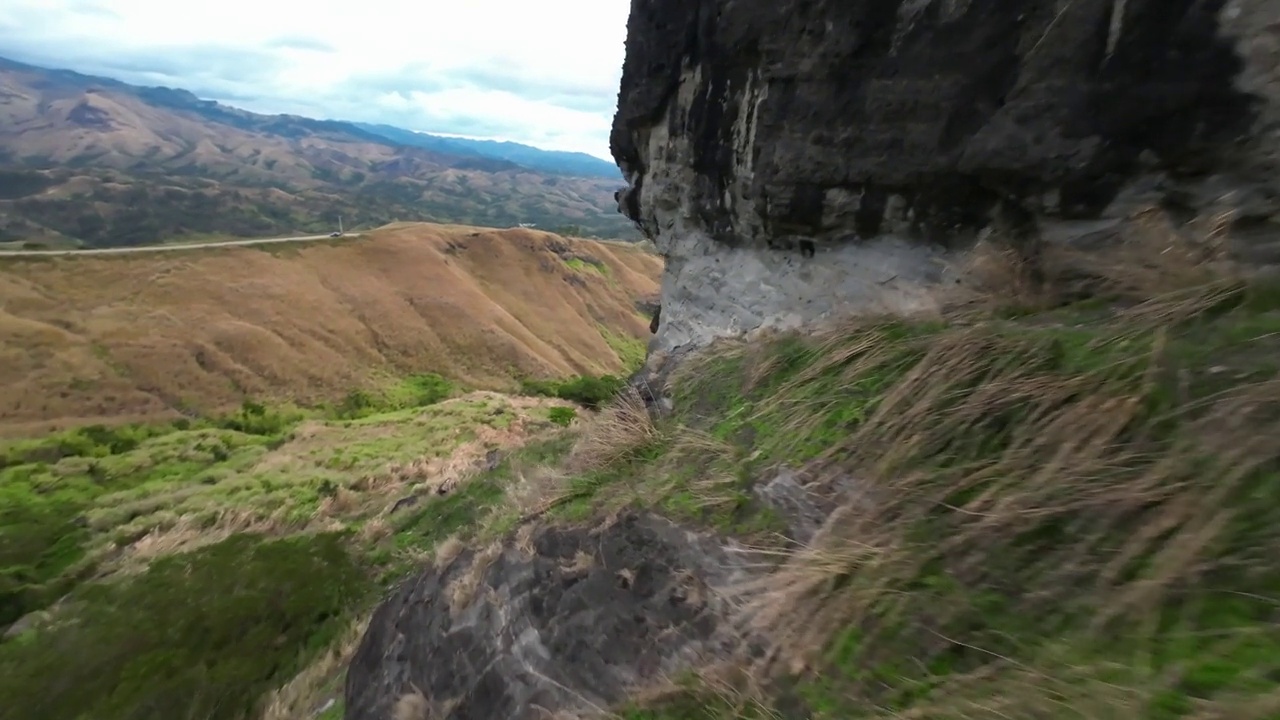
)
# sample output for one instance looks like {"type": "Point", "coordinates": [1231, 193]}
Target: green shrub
{"type": "Point", "coordinates": [256, 419]}
{"type": "Point", "coordinates": [356, 404]}
{"type": "Point", "coordinates": [38, 542]}
{"type": "Point", "coordinates": [563, 416]}
{"type": "Point", "coordinates": [414, 391]}
{"type": "Point", "coordinates": [428, 389]}
{"type": "Point", "coordinates": [588, 391]}
{"type": "Point", "coordinates": [93, 441]}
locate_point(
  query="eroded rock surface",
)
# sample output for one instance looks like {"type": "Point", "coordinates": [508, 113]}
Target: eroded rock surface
{"type": "Point", "coordinates": [568, 622]}
{"type": "Point", "coordinates": [886, 135]}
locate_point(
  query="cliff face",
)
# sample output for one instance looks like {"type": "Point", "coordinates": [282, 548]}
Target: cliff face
{"type": "Point", "coordinates": [796, 159]}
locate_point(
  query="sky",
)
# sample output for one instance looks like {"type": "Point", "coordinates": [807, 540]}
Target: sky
{"type": "Point", "coordinates": [541, 73]}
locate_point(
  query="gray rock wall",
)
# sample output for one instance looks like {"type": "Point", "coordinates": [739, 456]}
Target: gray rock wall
{"type": "Point", "coordinates": [885, 135]}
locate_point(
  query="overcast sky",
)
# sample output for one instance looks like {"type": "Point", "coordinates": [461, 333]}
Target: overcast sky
{"type": "Point", "coordinates": [543, 73]}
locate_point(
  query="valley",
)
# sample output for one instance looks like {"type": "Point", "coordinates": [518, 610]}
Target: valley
{"type": "Point", "coordinates": [90, 161]}
{"type": "Point", "coordinates": [944, 385]}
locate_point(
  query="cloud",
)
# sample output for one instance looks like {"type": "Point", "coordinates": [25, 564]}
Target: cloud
{"type": "Point", "coordinates": [544, 73]}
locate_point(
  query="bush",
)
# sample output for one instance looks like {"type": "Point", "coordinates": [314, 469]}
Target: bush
{"type": "Point", "coordinates": [563, 416]}
{"type": "Point", "coordinates": [93, 441]}
{"type": "Point", "coordinates": [586, 390]}
{"type": "Point", "coordinates": [255, 419]}
{"type": "Point", "coordinates": [428, 389]}
{"type": "Point", "coordinates": [38, 543]}
{"type": "Point", "coordinates": [413, 392]}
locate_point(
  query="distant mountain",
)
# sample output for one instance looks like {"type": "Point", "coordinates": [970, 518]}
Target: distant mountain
{"type": "Point", "coordinates": [551, 161]}
{"type": "Point", "coordinates": [95, 161]}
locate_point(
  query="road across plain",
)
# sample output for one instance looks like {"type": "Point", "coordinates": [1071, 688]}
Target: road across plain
{"type": "Point", "coordinates": [170, 248]}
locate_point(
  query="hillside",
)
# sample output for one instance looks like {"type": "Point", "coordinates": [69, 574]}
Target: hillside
{"type": "Point", "coordinates": [566, 163]}
{"type": "Point", "coordinates": [1031, 505]}
{"type": "Point", "coordinates": [102, 162]}
{"type": "Point", "coordinates": [154, 336]}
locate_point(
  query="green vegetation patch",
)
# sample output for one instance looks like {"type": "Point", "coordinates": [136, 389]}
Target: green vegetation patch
{"type": "Point", "coordinates": [194, 567]}
{"type": "Point", "coordinates": [67, 500]}
{"type": "Point", "coordinates": [579, 264]}
{"type": "Point", "coordinates": [590, 391]}
{"type": "Point", "coordinates": [203, 634]}
{"type": "Point", "coordinates": [414, 391]}
{"type": "Point", "coordinates": [630, 350]}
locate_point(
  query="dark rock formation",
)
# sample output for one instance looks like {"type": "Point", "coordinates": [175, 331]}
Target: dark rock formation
{"type": "Point", "coordinates": [572, 622]}
{"type": "Point", "coordinates": [878, 136]}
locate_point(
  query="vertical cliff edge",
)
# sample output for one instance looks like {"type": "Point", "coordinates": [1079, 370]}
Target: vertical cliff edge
{"type": "Point", "coordinates": [801, 159]}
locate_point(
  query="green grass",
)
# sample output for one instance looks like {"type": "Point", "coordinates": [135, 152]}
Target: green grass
{"type": "Point", "coordinates": [580, 265]}
{"type": "Point", "coordinates": [590, 391]}
{"type": "Point", "coordinates": [630, 350]}
{"type": "Point", "coordinates": [562, 416]}
{"type": "Point", "coordinates": [202, 635]}
{"type": "Point", "coordinates": [397, 394]}
{"type": "Point", "coordinates": [1079, 509]}
{"type": "Point", "coordinates": [259, 549]}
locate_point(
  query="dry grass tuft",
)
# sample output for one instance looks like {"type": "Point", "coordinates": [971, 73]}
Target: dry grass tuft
{"type": "Point", "coordinates": [412, 706]}
{"type": "Point", "coordinates": [725, 688]}
{"type": "Point", "coordinates": [343, 502]}
{"type": "Point", "coordinates": [715, 484]}
{"type": "Point", "coordinates": [462, 591]}
{"type": "Point", "coordinates": [524, 540]}
{"type": "Point", "coordinates": [192, 531]}
{"type": "Point", "coordinates": [1150, 259]}
{"type": "Point", "coordinates": [582, 562]}
{"type": "Point", "coordinates": [536, 489]}
{"type": "Point", "coordinates": [999, 275]}
{"type": "Point", "coordinates": [448, 550]}
{"type": "Point", "coordinates": [617, 432]}
{"type": "Point", "coordinates": [1154, 257]}
{"type": "Point", "coordinates": [376, 529]}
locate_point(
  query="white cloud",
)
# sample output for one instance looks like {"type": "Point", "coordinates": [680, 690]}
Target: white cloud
{"type": "Point", "coordinates": [543, 73]}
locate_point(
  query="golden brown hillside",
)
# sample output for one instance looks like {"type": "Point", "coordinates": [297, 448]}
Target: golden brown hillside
{"type": "Point", "coordinates": [150, 335]}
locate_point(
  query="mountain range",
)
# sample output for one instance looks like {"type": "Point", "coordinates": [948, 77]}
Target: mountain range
{"type": "Point", "coordinates": [93, 161]}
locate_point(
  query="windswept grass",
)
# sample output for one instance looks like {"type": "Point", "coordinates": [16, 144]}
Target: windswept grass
{"type": "Point", "coordinates": [1067, 508]}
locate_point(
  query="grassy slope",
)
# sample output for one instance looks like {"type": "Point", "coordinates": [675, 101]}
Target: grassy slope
{"type": "Point", "coordinates": [1070, 511]}
{"type": "Point", "coordinates": [196, 568]}
{"type": "Point", "coordinates": [144, 337]}
{"type": "Point", "coordinates": [1064, 513]}
{"type": "Point", "coordinates": [1050, 508]}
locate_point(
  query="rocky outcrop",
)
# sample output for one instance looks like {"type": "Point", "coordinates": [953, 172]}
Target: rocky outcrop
{"type": "Point", "coordinates": [570, 622]}
{"type": "Point", "coordinates": [797, 159]}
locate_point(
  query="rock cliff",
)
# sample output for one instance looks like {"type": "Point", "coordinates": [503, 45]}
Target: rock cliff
{"type": "Point", "coordinates": [798, 159]}
{"type": "Point", "coordinates": [795, 159]}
